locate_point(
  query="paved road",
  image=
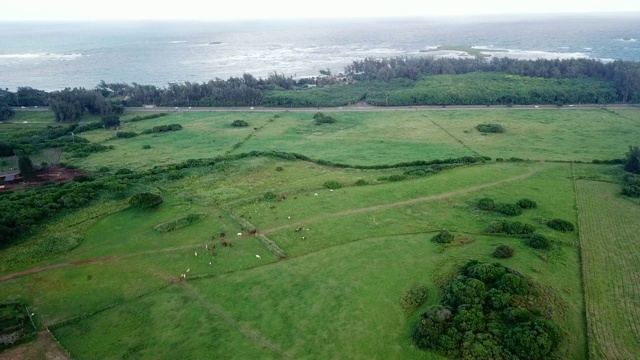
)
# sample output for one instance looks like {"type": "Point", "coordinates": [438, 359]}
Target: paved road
{"type": "Point", "coordinates": [365, 107]}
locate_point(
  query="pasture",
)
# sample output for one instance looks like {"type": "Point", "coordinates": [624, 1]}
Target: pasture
{"type": "Point", "coordinates": [117, 293]}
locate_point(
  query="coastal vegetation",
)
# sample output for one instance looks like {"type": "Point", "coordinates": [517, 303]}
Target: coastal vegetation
{"type": "Point", "coordinates": [317, 227]}
{"type": "Point", "coordinates": [400, 81]}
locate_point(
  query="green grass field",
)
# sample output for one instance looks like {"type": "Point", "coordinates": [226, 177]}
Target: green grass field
{"type": "Point", "coordinates": [609, 231]}
{"type": "Point", "coordinates": [118, 294]}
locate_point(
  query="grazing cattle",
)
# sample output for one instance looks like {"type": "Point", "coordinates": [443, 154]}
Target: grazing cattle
{"type": "Point", "coordinates": [288, 217]}
{"type": "Point", "coordinates": [252, 232]}
{"type": "Point", "coordinates": [222, 235]}
{"type": "Point", "coordinates": [239, 234]}
{"type": "Point", "coordinates": [307, 194]}
{"type": "Point", "coordinates": [206, 246]}
{"type": "Point", "coordinates": [258, 257]}
{"type": "Point", "coordinates": [196, 253]}
{"type": "Point", "coordinates": [295, 198]}
{"type": "Point", "coordinates": [282, 257]}
{"type": "Point", "coordinates": [298, 229]}
{"type": "Point", "coordinates": [183, 276]}
{"type": "Point", "coordinates": [209, 263]}
{"type": "Point", "coordinates": [188, 270]}
{"type": "Point", "coordinates": [283, 197]}
{"type": "Point", "coordinates": [304, 238]}
{"type": "Point", "coordinates": [272, 207]}
{"type": "Point", "coordinates": [316, 194]}
{"type": "Point", "coordinates": [241, 216]}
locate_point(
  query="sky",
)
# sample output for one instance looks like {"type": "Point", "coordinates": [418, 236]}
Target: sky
{"type": "Point", "coordinates": [232, 10]}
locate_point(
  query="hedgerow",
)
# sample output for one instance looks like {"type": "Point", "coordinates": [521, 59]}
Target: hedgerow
{"type": "Point", "coordinates": [180, 222]}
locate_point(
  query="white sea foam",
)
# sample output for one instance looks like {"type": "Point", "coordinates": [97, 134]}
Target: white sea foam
{"type": "Point", "coordinates": [627, 40]}
{"type": "Point", "coordinates": [178, 41]}
{"type": "Point", "coordinates": [40, 56]}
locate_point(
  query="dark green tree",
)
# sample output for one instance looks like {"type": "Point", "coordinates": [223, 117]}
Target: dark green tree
{"type": "Point", "coordinates": [632, 160]}
{"type": "Point", "coordinates": [111, 120]}
{"type": "Point", "coordinates": [6, 112]}
{"type": "Point", "coordinates": [26, 167]}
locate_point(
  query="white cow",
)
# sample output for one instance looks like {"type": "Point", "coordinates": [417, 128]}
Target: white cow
{"type": "Point", "coordinates": [258, 257]}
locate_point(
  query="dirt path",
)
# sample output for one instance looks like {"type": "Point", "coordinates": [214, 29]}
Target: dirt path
{"type": "Point", "coordinates": [246, 330]}
{"type": "Point", "coordinates": [402, 203]}
{"type": "Point", "coordinates": [44, 347]}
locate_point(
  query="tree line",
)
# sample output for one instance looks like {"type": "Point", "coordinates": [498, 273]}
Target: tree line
{"type": "Point", "coordinates": [375, 80]}
{"type": "Point", "coordinates": [623, 75]}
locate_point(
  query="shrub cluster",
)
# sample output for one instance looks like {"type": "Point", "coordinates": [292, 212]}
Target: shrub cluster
{"type": "Point", "coordinates": [538, 241]}
{"type": "Point", "coordinates": [239, 123]}
{"type": "Point", "coordinates": [478, 318]}
{"type": "Point", "coordinates": [503, 252]}
{"type": "Point", "coordinates": [125, 134]}
{"type": "Point", "coordinates": [361, 182]}
{"type": "Point", "coordinates": [145, 200]}
{"type": "Point", "coordinates": [20, 211]}
{"type": "Point", "coordinates": [396, 177]}
{"type": "Point", "coordinates": [503, 226]}
{"type": "Point", "coordinates": [490, 128]}
{"type": "Point", "coordinates": [321, 118]}
{"type": "Point", "coordinates": [332, 184]}
{"type": "Point", "coordinates": [414, 297]}
{"type": "Point", "coordinates": [180, 222]}
{"type": "Point", "coordinates": [488, 204]}
{"type": "Point", "coordinates": [162, 128]}
{"type": "Point", "coordinates": [631, 185]}
{"type": "Point", "coordinates": [560, 225]}
{"type": "Point", "coordinates": [443, 237]}
{"type": "Point", "coordinates": [526, 204]}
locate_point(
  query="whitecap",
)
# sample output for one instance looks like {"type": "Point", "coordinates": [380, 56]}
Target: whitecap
{"type": "Point", "coordinates": [627, 40]}
{"type": "Point", "coordinates": [45, 56]}
{"type": "Point", "coordinates": [178, 41]}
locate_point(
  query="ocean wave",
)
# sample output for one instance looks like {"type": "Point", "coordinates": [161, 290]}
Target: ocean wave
{"type": "Point", "coordinates": [626, 40]}
{"type": "Point", "coordinates": [39, 56]}
{"type": "Point", "coordinates": [177, 41]}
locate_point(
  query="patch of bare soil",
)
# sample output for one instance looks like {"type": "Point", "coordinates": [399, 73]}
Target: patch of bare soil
{"type": "Point", "coordinates": [43, 347]}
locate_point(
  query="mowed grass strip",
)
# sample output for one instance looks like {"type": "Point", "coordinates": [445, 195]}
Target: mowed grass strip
{"type": "Point", "coordinates": [610, 237]}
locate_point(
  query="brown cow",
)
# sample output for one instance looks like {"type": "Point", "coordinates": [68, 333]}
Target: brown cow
{"type": "Point", "coordinates": [221, 234]}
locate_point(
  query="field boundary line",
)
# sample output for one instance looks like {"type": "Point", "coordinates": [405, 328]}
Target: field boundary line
{"type": "Point", "coordinates": [268, 243]}
{"type": "Point", "coordinates": [413, 201]}
{"type": "Point", "coordinates": [455, 138]}
{"type": "Point", "coordinates": [246, 330]}
{"type": "Point", "coordinates": [582, 265]}
{"type": "Point", "coordinates": [92, 261]}
{"type": "Point", "coordinates": [64, 349]}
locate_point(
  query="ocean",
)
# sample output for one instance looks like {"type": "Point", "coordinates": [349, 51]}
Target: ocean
{"type": "Point", "coordinates": [52, 56]}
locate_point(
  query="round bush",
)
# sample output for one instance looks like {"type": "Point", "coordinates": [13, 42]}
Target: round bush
{"type": "Point", "coordinates": [513, 284]}
{"type": "Point", "coordinates": [486, 204]}
{"type": "Point", "coordinates": [362, 182]}
{"type": "Point", "coordinates": [443, 237]}
{"type": "Point", "coordinates": [269, 195]}
{"type": "Point", "coordinates": [518, 228]}
{"type": "Point", "coordinates": [560, 225]}
{"type": "Point", "coordinates": [332, 184]}
{"type": "Point", "coordinates": [279, 168]}
{"type": "Point", "coordinates": [415, 296]}
{"type": "Point", "coordinates": [147, 146]}
{"type": "Point", "coordinates": [490, 128]}
{"type": "Point", "coordinates": [526, 204]}
{"type": "Point", "coordinates": [145, 200]}
{"type": "Point", "coordinates": [239, 123]}
{"type": "Point", "coordinates": [538, 241]}
{"type": "Point", "coordinates": [508, 209]}
{"type": "Point", "coordinates": [103, 169]}
{"type": "Point", "coordinates": [503, 252]}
